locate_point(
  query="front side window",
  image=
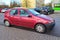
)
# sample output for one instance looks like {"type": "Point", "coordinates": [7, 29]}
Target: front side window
{"type": "Point", "coordinates": [23, 13]}
{"type": "Point", "coordinates": [13, 12]}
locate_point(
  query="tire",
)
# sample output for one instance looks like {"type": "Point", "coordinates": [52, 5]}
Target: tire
{"type": "Point", "coordinates": [7, 23]}
{"type": "Point", "coordinates": [40, 28]}
{"type": "Point", "coordinates": [46, 13]}
{"type": "Point", "coordinates": [52, 12]}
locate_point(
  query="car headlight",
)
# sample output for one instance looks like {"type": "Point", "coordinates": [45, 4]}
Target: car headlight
{"type": "Point", "coordinates": [51, 21]}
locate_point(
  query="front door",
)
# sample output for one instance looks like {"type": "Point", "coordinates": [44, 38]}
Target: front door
{"type": "Point", "coordinates": [25, 20]}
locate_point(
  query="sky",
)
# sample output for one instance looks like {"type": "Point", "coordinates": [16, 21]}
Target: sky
{"type": "Point", "coordinates": [8, 1]}
{"type": "Point", "coordinates": [47, 1]}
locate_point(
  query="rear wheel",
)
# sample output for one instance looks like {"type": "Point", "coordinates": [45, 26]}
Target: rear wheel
{"type": "Point", "coordinates": [40, 28]}
{"type": "Point", "coordinates": [7, 23]}
{"type": "Point", "coordinates": [46, 13]}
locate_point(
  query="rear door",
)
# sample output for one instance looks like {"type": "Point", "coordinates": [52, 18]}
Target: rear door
{"type": "Point", "coordinates": [14, 17]}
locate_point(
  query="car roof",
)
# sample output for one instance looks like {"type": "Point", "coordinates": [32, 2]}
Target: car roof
{"type": "Point", "coordinates": [19, 8]}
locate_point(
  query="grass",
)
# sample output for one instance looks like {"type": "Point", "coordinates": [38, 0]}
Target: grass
{"type": "Point", "coordinates": [56, 8]}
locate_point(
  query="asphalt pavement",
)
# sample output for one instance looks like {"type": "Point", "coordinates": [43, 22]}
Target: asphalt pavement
{"type": "Point", "coordinates": [19, 33]}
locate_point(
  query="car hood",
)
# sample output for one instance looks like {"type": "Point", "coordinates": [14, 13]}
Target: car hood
{"type": "Point", "coordinates": [44, 17]}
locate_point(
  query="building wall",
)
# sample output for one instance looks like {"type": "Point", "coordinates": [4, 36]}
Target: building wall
{"type": "Point", "coordinates": [55, 2]}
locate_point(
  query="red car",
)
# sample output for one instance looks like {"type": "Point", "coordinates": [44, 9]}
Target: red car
{"type": "Point", "coordinates": [28, 18]}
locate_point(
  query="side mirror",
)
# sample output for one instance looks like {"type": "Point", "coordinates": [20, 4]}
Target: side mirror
{"type": "Point", "coordinates": [29, 15]}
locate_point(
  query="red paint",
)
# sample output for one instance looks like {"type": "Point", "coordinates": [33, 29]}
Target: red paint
{"type": "Point", "coordinates": [25, 21]}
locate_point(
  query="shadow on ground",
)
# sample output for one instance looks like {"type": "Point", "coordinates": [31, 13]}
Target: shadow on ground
{"type": "Point", "coordinates": [52, 33]}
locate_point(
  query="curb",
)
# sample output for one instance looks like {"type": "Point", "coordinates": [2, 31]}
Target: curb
{"type": "Point", "coordinates": [57, 11]}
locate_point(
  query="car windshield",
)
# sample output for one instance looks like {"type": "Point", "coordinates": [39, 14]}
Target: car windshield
{"type": "Point", "coordinates": [34, 12]}
{"type": "Point", "coordinates": [47, 7]}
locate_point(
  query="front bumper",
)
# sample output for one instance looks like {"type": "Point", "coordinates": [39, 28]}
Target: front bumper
{"type": "Point", "coordinates": [50, 26]}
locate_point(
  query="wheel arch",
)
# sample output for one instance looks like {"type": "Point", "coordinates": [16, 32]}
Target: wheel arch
{"type": "Point", "coordinates": [39, 23]}
{"type": "Point", "coordinates": [5, 20]}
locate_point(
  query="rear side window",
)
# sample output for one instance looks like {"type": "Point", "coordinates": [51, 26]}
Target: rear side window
{"type": "Point", "coordinates": [14, 12]}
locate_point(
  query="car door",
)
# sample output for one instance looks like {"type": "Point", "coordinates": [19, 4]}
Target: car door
{"type": "Point", "coordinates": [14, 16]}
{"type": "Point", "coordinates": [25, 20]}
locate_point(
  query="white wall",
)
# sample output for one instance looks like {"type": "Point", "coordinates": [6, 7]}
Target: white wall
{"type": "Point", "coordinates": [54, 2]}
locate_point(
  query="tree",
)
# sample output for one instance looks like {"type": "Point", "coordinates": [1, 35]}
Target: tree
{"type": "Point", "coordinates": [4, 6]}
{"type": "Point", "coordinates": [14, 4]}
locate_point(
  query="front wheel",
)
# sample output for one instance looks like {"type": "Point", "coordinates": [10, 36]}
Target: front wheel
{"type": "Point", "coordinates": [40, 28]}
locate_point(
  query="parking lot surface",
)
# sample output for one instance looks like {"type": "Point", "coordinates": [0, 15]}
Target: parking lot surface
{"type": "Point", "coordinates": [19, 33]}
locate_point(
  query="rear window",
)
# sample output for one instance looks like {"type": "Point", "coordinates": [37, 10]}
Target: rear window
{"type": "Point", "coordinates": [13, 12]}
